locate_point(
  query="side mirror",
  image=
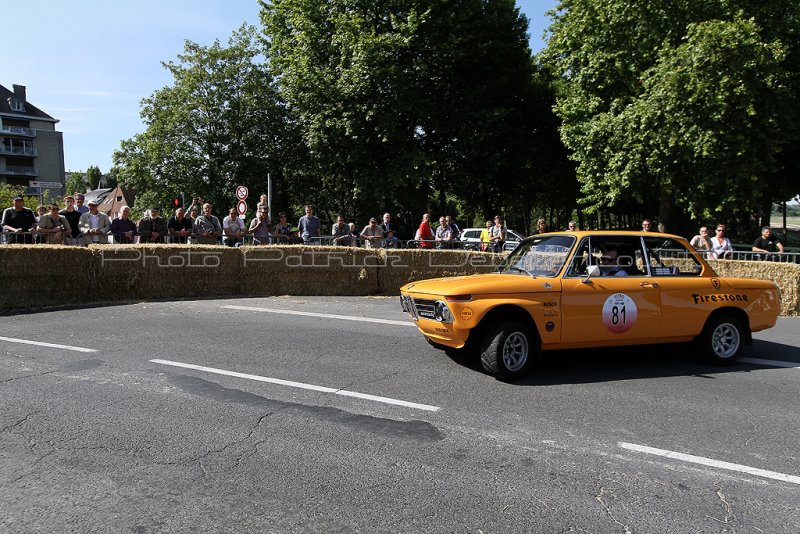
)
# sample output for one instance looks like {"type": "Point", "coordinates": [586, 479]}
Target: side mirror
{"type": "Point", "coordinates": [591, 270]}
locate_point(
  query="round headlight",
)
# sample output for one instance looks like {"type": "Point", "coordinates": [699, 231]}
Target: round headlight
{"type": "Point", "coordinates": [438, 310]}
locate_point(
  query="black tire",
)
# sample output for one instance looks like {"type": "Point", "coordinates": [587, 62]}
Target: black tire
{"type": "Point", "coordinates": [722, 339]}
{"type": "Point", "coordinates": [508, 350]}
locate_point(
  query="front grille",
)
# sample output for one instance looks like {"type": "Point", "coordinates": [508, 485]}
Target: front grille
{"type": "Point", "coordinates": [424, 308]}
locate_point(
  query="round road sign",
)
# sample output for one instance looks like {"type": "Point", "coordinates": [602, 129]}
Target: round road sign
{"type": "Point", "coordinates": [241, 192]}
{"type": "Point", "coordinates": [242, 207]}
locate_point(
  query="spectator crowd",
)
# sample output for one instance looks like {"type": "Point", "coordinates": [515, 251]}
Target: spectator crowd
{"type": "Point", "coordinates": [82, 224]}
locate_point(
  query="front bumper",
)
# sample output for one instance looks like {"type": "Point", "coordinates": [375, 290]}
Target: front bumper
{"type": "Point", "coordinates": [420, 308]}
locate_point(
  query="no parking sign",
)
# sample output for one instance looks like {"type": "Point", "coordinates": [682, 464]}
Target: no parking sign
{"type": "Point", "coordinates": [241, 192]}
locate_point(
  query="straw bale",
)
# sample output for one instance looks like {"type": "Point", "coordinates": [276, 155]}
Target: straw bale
{"type": "Point", "coordinates": [305, 270]}
{"type": "Point", "coordinates": [407, 265]}
{"type": "Point", "coordinates": [154, 271]}
{"type": "Point", "coordinates": [37, 276]}
{"type": "Point", "coordinates": [785, 275]}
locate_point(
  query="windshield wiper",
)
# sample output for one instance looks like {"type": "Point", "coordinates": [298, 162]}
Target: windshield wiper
{"type": "Point", "coordinates": [520, 269]}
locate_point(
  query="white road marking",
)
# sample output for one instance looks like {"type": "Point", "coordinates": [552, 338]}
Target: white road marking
{"type": "Point", "coordinates": [771, 363]}
{"type": "Point", "coordinates": [301, 385]}
{"type": "Point", "coordinates": [711, 462]}
{"type": "Point", "coordinates": [43, 344]}
{"type": "Point", "coordinates": [322, 315]}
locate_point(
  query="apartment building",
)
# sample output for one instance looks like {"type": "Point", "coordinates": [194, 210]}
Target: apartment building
{"type": "Point", "coordinates": [31, 150]}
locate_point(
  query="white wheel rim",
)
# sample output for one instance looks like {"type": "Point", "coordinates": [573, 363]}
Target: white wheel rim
{"type": "Point", "coordinates": [725, 340]}
{"type": "Point", "coordinates": [515, 351]}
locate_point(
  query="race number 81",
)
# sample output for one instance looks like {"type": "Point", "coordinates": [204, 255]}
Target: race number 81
{"type": "Point", "coordinates": [619, 313]}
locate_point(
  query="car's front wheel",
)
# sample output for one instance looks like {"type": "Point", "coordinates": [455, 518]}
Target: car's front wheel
{"type": "Point", "coordinates": [722, 339]}
{"type": "Point", "coordinates": [508, 350]}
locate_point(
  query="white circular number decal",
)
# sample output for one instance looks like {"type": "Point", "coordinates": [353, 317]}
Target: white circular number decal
{"type": "Point", "coordinates": [619, 313]}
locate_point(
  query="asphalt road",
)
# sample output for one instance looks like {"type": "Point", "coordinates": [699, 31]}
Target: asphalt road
{"type": "Point", "coordinates": [304, 423]}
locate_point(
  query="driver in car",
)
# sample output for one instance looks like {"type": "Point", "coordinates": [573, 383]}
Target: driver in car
{"type": "Point", "coordinates": [609, 262]}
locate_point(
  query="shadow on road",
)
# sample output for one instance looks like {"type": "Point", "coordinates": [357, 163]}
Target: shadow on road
{"type": "Point", "coordinates": [634, 363]}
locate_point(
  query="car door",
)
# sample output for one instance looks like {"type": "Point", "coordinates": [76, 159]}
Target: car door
{"type": "Point", "coordinates": [678, 273]}
{"type": "Point", "coordinates": [609, 309]}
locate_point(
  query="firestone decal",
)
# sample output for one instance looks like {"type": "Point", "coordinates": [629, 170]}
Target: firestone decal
{"type": "Point", "coordinates": [619, 313]}
{"type": "Point", "coordinates": [716, 283]}
{"type": "Point", "coordinates": [724, 297]}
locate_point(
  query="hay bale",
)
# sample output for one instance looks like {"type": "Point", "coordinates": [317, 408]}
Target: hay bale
{"type": "Point", "coordinates": [38, 276]}
{"type": "Point", "coordinates": [785, 275]}
{"type": "Point", "coordinates": [306, 270]}
{"type": "Point", "coordinates": [155, 271]}
{"type": "Point", "coordinates": [402, 266]}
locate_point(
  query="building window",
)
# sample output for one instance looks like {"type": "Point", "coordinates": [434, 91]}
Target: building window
{"type": "Point", "coordinates": [16, 105]}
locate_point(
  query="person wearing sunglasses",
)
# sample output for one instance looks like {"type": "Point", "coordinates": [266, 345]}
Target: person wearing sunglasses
{"type": "Point", "coordinates": [721, 247]}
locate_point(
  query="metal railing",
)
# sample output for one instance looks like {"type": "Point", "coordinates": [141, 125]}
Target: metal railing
{"type": "Point", "coordinates": [18, 130]}
{"type": "Point", "coordinates": [20, 169]}
{"type": "Point", "coordinates": [18, 150]}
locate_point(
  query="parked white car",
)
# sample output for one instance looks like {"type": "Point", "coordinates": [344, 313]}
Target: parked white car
{"type": "Point", "coordinates": [471, 239]}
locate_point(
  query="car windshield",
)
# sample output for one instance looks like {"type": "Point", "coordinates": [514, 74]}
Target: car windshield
{"type": "Point", "coordinates": [541, 256]}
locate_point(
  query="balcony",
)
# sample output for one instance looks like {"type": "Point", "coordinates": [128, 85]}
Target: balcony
{"type": "Point", "coordinates": [18, 151]}
{"type": "Point", "coordinates": [17, 130]}
{"type": "Point", "coordinates": [20, 170]}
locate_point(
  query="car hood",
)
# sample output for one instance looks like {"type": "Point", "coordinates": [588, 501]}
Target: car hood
{"type": "Point", "coordinates": [481, 284]}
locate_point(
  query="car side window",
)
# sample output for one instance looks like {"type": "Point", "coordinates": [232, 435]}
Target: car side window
{"type": "Point", "coordinates": [668, 257]}
{"type": "Point", "coordinates": [618, 255]}
{"type": "Point", "coordinates": [580, 261]}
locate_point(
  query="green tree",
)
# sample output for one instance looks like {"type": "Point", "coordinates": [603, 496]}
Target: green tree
{"type": "Point", "coordinates": [678, 106]}
{"type": "Point", "coordinates": [93, 177]}
{"type": "Point", "coordinates": [401, 103]}
{"type": "Point", "coordinates": [219, 125]}
{"type": "Point", "coordinates": [76, 183]}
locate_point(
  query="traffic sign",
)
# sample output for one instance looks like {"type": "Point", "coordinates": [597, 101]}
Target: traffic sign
{"type": "Point", "coordinates": [49, 185]}
{"type": "Point", "coordinates": [241, 192]}
{"type": "Point", "coordinates": [242, 207]}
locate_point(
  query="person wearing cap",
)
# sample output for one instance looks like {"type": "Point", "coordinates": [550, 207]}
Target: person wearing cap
{"type": "Point", "coordinates": [180, 226]}
{"type": "Point", "coordinates": [95, 225]}
{"type": "Point", "coordinates": [73, 217]}
{"type": "Point", "coordinates": [260, 226]}
{"type": "Point", "coordinates": [19, 220]}
{"type": "Point", "coordinates": [53, 226]}
{"type": "Point", "coordinates": [123, 228]}
{"type": "Point", "coordinates": [372, 234]}
{"type": "Point", "coordinates": [152, 228]}
{"type": "Point", "coordinates": [79, 200]}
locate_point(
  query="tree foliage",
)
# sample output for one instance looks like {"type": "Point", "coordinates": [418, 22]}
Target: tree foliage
{"type": "Point", "coordinates": [219, 125]}
{"type": "Point", "coordinates": [680, 103]}
{"type": "Point", "coordinates": [76, 183]}
{"type": "Point", "coordinates": [405, 105]}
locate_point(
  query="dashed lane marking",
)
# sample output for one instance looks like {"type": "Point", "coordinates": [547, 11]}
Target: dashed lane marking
{"type": "Point", "coordinates": [301, 385]}
{"type": "Point", "coordinates": [43, 344]}
{"type": "Point", "coordinates": [710, 462]}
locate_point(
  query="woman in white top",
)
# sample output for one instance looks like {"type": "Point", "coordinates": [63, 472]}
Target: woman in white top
{"type": "Point", "coordinates": [720, 245]}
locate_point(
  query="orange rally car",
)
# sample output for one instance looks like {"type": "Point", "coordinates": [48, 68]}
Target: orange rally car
{"type": "Point", "coordinates": [591, 289]}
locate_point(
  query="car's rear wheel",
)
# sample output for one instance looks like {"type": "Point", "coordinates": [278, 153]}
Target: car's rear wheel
{"type": "Point", "coordinates": [722, 339]}
{"type": "Point", "coordinates": [508, 350]}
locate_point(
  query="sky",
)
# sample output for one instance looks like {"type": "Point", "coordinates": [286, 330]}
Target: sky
{"type": "Point", "coordinates": [89, 63]}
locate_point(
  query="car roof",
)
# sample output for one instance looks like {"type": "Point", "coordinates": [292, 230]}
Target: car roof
{"type": "Point", "coordinates": [590, 233]}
